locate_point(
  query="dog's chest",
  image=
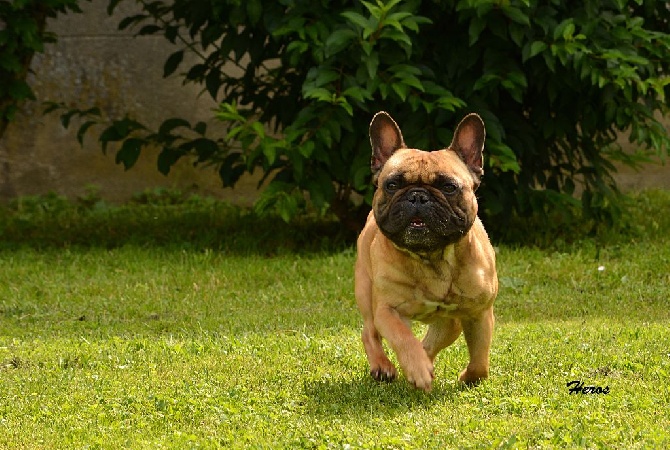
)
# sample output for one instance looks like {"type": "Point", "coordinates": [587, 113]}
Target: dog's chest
{"type": "Point", "coordinates": [426, 291]}
{"type": "Point", "coordinates": [432, 294]}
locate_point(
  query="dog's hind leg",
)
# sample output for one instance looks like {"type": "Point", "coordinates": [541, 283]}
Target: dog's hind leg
{"type": "Point", "coordinates": [478, 333]}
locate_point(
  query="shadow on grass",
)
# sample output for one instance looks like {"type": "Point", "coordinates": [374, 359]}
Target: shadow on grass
{"type": "Point", "coordinates": [168, 219]}
{"type": "Point", "coordinates": [363, 395]}
{"type": "Point", "coordinates": [199, 223]}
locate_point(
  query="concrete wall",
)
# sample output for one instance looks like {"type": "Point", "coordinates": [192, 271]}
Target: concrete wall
{"type": "Point", "coordinates": [94, 64]}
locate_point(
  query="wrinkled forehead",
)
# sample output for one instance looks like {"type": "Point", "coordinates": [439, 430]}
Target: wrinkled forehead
{"type": "Point", "coordinates": [418, 166]}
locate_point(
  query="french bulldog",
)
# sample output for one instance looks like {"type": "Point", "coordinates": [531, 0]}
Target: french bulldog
{"type": "Point", "coordinates": [424, 255]}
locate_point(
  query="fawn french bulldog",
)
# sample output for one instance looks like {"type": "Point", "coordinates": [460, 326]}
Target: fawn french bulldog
{"type": "Point", "coordinates": [424, 255]}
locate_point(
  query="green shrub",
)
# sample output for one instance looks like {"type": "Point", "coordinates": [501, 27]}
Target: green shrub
{"type": "Point", "coordinates": [555, 82]}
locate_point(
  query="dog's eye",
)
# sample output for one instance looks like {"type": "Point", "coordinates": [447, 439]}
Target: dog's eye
{"type": "Point", "coordinates": [392, 185]}
{"type": "Point", "coordinates": [450, 188]}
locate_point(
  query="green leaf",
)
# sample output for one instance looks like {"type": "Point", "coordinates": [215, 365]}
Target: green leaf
{"type": "Point", "coordinates": [270, 153]}
{"type": "Point", "coordinates": [200, 128]}
{"type": "Point", "coordinates": [475, 29]}
{"type": "Point", "coordinates": [196, 72]}
{"type": "Point", "coordinates": [205, 148]}
{"type": "Point", "coordinates": [389, 4]}
{"type": "Point", "coordinates": [129, 152]}
{"type": "Point", "coordinates": [401, 89]}
{"type": "Point", "coordinates": [518, 34]}
{"type": "Point", "coordinates": [170, 124]}
{"type": "Point", "coordinates": [324, 137]}
{"type": "Point", "coordinates": [549, 61]}
{"type": "Point", "coordinates": [488, 80]}
{"type": "Point", "coordinates": [371, 64]}
{"type": "Point", "coordinates": [108, 135]}
{"type": "Point", "coordinates": [411, 80]}
{"type": "Point", "coordinates": [335, 130]}
{"type": "Point", "coordinates": [376, 11]}
{"type": "Point", "coordinates": [83, 129]}
{"type": "Point", "coordinates": [306, 149]}
{"type": "Point", "coordinates": [10, 63]}
{"type": "Point", "coordinates": [65, 118]}
{"type": "Point", "coordinates": [19, 90]}
{"type": "Point", "coordinates": [372, 28]}
{"type": "Point", "coordinates": [516, 15]}
{"type": "Point", "coordinates": [254, 10]}
{"type": "Point", "coordinates": [166, 159]}
{"type": "Point", "coordinates": [357, 93]}
{"type": "Point", "coordinates": [450, 103]}
{"type": "Point", "coordinates": [53, 106]}
{"type": "Point", "coordinates": [320, 188]}
{"type": "Point", "coordinates": [395, 19]}
{"type": "Point", "coordinates": [131, 20]}
{"type": "Point", "coordinates": [342, 102]}
{"type": "Point", "coordinates": [518, 78]}
{"type": "Point", "coordinates": [502, 157]}
{"type": "Point", "coordinates": [361, 177]}
{"type": "Point", "coordinates": [172, 63]}
{"type": "Point", "coordinates": [324, 77]}
{"type": "Point", "coordinates": [259, 129]}
{"type": "Point", "coordinates": [356, 19]}
{"type": "Point", "coordinates": [112, 6]}
{"type": "Point", "coordinates": [412, 23]}
{"type": "Point", "coordinates": [297, 46]}
{"type": "Point", "coordinates": [560, 29]}
{"type": "Point", "coordinates": [568, 31]}
{"type": "Point", "coordinates": [228, 112]}
{"type": "Point", "coordinates": [536, 47]}
{"type": "Point", "coordinates": [148, 30]}
{"type": "Point", "coordinates": [171, 33]}
{"type": "Point", "coordinates": [318, 93]}
{"type": "Point", "coordinates": [338, 41]}
{"type": "Point", "coordinates": [119, 130]}
{"type": "Point", "coordinates": [395, 35]}
{"type": "Point", "coordinates": [213, 83]}
{"type": "Point", "coordinates": [231, 170]}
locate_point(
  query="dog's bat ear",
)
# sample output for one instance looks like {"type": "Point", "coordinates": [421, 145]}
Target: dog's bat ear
{"type": "Point", "coordinates": [468, 142]}
{"type": "Point", "coordinates": [385, 138]}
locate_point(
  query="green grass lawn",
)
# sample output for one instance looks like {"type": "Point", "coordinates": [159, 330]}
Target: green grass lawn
{"type": "Point", "coordinates": [160, 346]}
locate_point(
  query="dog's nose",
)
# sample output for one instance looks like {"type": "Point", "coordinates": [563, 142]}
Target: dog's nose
{"type": "Point", "coordinates": [418, 196]}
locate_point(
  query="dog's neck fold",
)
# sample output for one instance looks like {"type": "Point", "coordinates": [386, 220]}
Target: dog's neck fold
{"type": "Point", "coordinates": [441, 254]}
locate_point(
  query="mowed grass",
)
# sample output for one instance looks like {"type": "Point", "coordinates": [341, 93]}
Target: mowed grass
{"type": "Point", "coordinates": [158, 346]}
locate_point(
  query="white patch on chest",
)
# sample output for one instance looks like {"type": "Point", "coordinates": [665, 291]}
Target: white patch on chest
{"type": "Point", "coordinates": [435, 309]}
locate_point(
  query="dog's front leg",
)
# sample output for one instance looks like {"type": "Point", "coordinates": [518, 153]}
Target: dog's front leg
{"type": "Point", "coordinates": [414, 361]}
{"type": "Point", "coordinates": [478, 333]}
{"type": "Point", "coordinates": [381, 368]}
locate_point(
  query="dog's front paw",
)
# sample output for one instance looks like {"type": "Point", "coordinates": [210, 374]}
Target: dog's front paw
{"type": "Point", "coordinates": [420, 373]}
{"type": "Point", "coordinates": [383, 371]}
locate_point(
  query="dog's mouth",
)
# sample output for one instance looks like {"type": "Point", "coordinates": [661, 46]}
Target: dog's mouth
{"type": "Point", "coordinates": [417, 223]}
